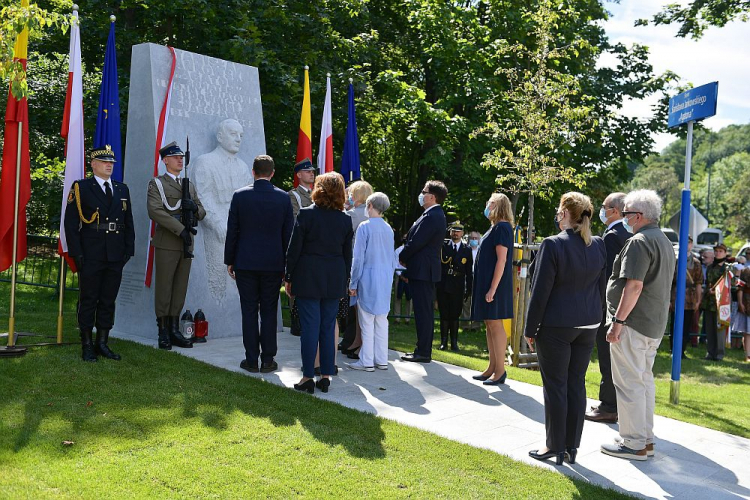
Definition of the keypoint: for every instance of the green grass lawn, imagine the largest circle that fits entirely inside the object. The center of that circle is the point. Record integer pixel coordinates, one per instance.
(714, 395)
(160, 425)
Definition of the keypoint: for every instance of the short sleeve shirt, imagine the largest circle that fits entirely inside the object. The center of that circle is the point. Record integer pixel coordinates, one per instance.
(648, 257)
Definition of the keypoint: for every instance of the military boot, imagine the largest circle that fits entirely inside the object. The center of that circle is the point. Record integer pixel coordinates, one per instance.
(101, 347)
(175, 336)
(454, 335)
(87, 348)
(163, 324)
(443, 335)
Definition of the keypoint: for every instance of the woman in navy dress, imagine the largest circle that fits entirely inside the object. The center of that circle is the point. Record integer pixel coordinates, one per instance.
(493, 285)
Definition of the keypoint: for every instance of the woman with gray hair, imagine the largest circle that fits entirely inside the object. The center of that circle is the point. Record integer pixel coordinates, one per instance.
(371, 280)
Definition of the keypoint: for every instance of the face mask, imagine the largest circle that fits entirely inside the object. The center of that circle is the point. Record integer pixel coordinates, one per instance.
(351, 201)
(487, 212)
(421, 199)
(627, 226)
(473, 243)
(603, 215)
(367, 213)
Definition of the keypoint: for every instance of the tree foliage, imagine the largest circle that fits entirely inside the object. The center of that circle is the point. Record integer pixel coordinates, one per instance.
(423, 72)
(699, 15)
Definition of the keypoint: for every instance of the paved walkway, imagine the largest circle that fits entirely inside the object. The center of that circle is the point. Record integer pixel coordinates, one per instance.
(691, 462)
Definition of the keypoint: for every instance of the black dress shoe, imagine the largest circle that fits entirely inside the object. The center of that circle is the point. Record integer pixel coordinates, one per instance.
(559, 456)
(415, 358)
(499, 381)
(323, 384)
(480, 377)
(570, 454)
(352, 355)
(308, 386)
(247, 365)
(269, 367)
(443, 347)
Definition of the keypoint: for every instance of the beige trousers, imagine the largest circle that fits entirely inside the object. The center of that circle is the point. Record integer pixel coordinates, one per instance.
(632, 373)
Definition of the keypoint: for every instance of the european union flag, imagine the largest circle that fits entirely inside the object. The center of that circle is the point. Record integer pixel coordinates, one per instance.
(350, 158)
(108, 118)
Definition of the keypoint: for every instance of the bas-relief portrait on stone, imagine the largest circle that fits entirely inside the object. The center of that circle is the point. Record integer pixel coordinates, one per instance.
(217, 104)
(217, 175)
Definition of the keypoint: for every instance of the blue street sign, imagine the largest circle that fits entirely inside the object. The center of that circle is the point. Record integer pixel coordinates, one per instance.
(693, 105)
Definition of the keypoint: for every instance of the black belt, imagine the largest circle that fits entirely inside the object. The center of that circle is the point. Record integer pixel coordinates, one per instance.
(107, 227)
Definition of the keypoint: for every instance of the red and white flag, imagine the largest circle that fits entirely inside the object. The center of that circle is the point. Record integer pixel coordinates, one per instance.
(72, 131)
(325, 149)
(161, 133)
(724, 299)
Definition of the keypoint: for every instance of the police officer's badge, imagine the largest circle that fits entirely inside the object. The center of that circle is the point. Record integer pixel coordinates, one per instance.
(463, 261)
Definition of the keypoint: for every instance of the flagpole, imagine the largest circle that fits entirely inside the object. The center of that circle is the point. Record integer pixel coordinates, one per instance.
(60, 303)
(12, 316)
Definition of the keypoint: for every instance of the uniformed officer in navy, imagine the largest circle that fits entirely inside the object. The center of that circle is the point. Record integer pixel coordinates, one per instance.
(456, 262)
(101, 240)
(172, 268)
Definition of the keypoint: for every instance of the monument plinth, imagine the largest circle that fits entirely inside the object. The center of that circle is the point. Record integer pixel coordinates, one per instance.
(217, 104)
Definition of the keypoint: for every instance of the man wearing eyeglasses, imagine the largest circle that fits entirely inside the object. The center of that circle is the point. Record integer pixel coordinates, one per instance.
(638, 295)
(421, 258)
(615, 237)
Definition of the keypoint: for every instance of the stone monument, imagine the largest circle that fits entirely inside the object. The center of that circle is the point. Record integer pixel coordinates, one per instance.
(212, 101)
(217, 175)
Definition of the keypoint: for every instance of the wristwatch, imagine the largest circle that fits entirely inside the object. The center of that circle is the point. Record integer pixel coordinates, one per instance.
(617, 320)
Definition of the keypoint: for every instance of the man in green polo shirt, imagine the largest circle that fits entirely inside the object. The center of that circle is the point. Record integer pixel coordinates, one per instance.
(638, 296)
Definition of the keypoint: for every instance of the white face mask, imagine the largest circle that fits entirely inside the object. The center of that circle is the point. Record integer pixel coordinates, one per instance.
(627, 226)
(421, 199)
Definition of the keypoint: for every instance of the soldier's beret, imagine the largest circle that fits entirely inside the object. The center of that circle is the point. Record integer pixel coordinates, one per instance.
(104, 154)
(171, 149)
(305, 164)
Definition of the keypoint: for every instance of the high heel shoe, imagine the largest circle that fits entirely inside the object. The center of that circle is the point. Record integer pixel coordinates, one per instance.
(308, 386)
(571, 453)
(323, 384)
(499, 381)
(480, 377)
(559, 456)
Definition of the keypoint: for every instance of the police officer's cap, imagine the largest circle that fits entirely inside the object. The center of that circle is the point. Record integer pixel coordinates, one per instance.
(171, 149)
(305, 164)
(456, 226)
(104, 154)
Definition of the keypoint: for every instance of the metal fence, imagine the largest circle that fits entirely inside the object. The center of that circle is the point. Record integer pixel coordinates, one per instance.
(42, 266)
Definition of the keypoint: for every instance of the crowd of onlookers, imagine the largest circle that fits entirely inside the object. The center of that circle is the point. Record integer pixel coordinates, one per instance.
(612, 291)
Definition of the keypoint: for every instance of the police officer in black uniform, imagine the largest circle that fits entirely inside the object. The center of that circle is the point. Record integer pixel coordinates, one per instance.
(457, 263)
(100, 235)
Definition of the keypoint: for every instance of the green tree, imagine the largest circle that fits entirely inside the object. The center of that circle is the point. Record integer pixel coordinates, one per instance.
(699, 15)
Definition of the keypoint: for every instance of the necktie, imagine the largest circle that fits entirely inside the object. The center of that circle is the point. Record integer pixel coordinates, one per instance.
(108, 190)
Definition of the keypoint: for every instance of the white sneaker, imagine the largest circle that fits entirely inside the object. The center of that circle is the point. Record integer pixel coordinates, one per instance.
(381, 367)
(360, 367)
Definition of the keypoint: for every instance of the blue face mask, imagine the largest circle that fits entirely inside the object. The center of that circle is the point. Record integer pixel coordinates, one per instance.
(627, 226)
(421, 199)
(351, 201)
(474, 243)
(487, 212)
(603, 215)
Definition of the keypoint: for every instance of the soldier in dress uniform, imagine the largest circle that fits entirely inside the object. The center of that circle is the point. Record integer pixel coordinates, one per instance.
(165, 205)
(100, 235)
(455, 284)
(301, 197)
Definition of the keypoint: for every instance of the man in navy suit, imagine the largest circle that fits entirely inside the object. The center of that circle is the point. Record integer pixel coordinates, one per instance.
(421, 257)
(615, 237)
(258, 230)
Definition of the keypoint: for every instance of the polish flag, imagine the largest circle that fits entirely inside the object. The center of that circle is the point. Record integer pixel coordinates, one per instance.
(72, 132)
(325, 149)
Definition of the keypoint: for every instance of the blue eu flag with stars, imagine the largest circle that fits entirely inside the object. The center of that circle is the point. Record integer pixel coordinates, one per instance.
(350, 157)
(108, 118)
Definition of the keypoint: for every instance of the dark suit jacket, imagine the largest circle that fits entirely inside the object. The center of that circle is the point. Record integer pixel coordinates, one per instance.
(259, 227)
(614, 240)
(568, 282)
(320, 254)
(421, 252)
(94, 241)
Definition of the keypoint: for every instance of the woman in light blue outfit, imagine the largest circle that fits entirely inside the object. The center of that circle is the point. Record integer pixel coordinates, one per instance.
(371, 280)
